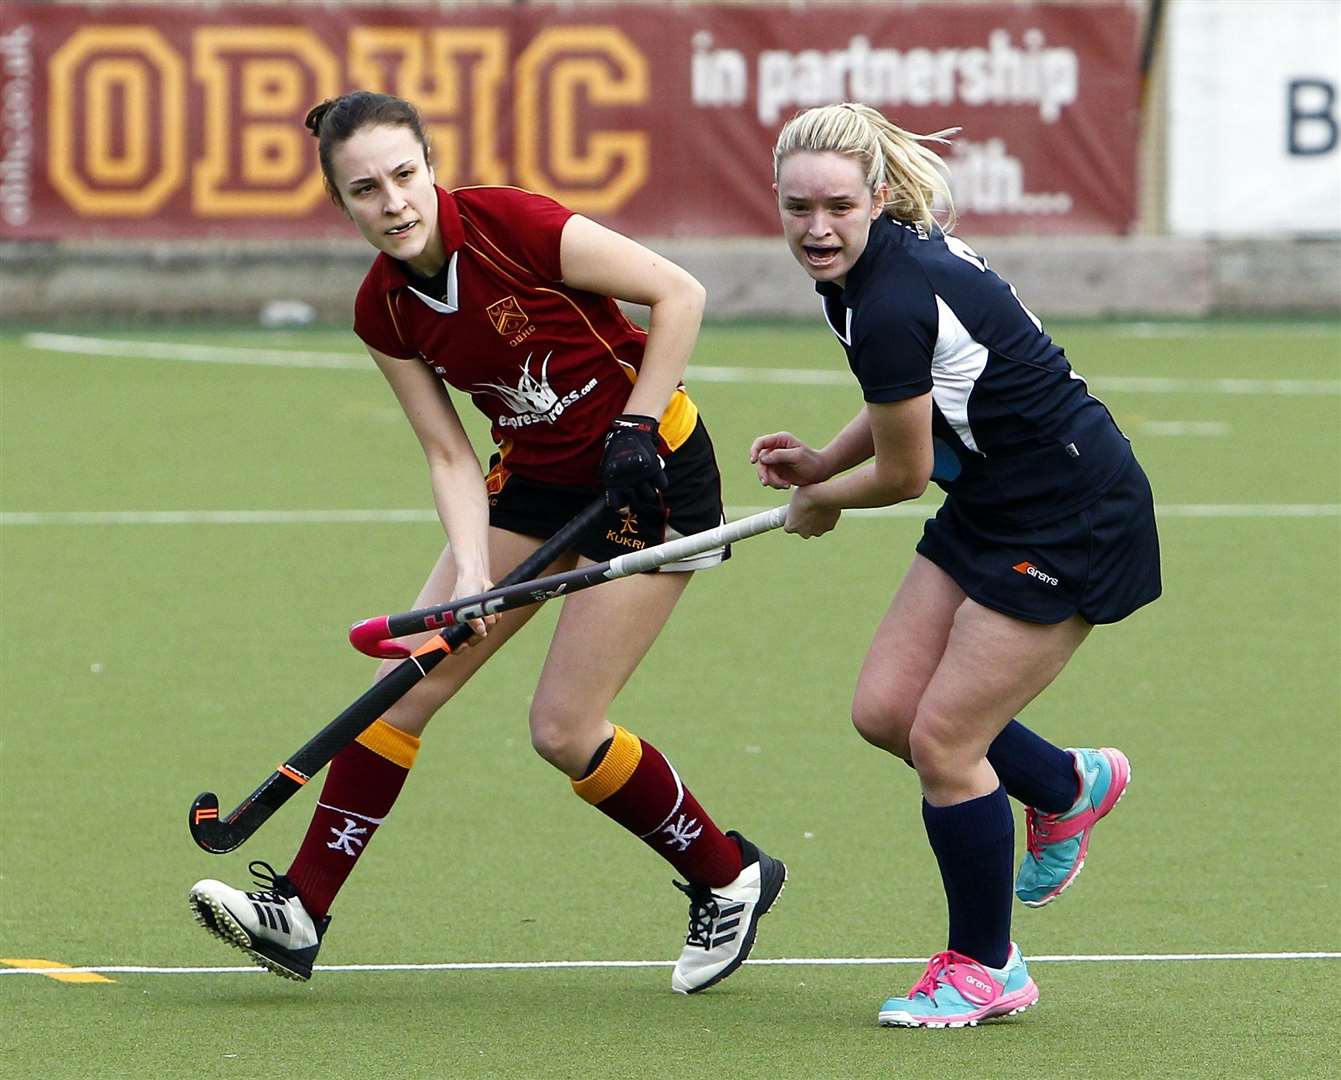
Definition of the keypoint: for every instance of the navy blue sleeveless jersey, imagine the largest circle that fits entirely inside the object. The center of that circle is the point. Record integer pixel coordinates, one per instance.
(1018, 438)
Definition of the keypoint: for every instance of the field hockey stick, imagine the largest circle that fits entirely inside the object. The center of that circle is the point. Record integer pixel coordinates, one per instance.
(220, 835)
(373, 636)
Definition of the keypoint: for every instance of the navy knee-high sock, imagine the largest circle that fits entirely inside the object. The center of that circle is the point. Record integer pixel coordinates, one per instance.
(974, 843)
(1034, 771)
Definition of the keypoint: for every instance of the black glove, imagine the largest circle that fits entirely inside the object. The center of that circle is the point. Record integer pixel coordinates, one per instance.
(631, 468)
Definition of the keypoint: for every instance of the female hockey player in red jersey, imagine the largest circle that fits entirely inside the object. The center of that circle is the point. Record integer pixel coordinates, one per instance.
(507, 297)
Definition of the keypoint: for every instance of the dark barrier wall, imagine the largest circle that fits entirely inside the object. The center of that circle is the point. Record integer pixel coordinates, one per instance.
(163, 122)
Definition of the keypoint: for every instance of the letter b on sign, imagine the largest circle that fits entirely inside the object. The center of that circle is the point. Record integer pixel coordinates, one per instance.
(1312, 122)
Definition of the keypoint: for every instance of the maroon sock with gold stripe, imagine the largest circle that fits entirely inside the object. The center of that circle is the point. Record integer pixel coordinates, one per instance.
(361, 786)
(637, 787)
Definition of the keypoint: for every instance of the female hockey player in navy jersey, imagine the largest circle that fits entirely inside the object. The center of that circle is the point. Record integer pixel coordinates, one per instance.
(1047, 529)
(509, 298)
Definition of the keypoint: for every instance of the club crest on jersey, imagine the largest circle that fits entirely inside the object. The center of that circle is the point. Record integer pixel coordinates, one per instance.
(533, 400)
(498, 476)
(506, 315)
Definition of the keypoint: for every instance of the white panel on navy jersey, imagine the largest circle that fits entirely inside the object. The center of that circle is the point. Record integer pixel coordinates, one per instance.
(922, 313)
(955, 367)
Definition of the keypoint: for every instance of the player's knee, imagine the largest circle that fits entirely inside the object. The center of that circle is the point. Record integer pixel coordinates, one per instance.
(933, 750)
(883, 724)
(556, 748)
(555, 735)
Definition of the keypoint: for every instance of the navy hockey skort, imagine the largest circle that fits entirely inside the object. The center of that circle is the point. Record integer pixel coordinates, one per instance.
(1102, 561)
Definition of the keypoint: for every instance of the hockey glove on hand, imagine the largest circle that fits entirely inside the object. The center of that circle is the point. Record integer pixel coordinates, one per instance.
(632, 470)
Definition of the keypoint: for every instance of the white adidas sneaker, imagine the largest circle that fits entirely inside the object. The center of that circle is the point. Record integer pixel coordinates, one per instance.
(271, 925)
(723, 921)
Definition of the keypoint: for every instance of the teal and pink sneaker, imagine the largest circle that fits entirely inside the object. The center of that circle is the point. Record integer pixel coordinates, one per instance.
(956, 991)
(1056, 843)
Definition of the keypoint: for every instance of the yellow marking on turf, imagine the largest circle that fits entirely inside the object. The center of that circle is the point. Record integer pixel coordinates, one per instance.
(57, 971)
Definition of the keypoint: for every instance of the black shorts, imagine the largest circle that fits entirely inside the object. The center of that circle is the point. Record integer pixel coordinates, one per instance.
(691, 503)
(1102, 561)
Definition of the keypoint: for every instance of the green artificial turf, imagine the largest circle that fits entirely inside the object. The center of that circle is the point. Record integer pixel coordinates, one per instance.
(143, 662)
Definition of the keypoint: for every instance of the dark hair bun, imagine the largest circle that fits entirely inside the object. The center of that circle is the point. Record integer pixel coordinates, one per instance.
(316, 115)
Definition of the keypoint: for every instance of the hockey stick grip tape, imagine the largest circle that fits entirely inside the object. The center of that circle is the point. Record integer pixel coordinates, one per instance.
(637, 562)
(373, 637)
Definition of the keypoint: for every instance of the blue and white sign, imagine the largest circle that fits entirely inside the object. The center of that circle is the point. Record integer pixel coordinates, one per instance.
(1254, 134)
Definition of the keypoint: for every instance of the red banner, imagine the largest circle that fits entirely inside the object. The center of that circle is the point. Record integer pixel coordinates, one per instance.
(167, 122)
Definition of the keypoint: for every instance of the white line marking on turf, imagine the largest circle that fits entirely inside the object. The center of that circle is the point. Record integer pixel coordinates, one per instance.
(543, 965)
(394, 517)
(196, 354)
(218, 517)
(234, 354)
(1107, 384)
(1236, 510)
(1183, 427)
(1219, 329)
(1169, 510)
(1158, 384)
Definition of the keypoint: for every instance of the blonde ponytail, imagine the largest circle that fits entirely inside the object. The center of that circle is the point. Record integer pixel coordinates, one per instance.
(914, 176)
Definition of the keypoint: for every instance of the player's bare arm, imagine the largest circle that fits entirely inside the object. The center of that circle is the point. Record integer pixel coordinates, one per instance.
(454, 470)
(901, 470)
(599, 260)
(781, 460)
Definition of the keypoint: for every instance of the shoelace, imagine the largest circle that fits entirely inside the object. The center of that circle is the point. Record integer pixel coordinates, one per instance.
(265, 878)
(937, 967)
(703, 912)
(938, 970)
(1037, 827)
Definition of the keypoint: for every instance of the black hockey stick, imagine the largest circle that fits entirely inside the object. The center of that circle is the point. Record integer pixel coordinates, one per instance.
(373, 636)
(219, 835)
